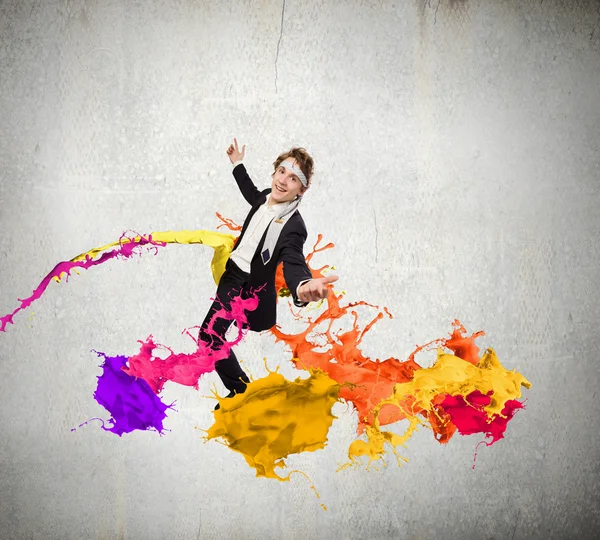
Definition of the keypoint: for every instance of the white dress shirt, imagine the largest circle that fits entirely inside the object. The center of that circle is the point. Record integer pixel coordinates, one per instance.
(242, 256)
(244, 252)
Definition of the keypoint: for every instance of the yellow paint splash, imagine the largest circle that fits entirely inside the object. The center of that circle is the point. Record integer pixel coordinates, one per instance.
(275, 417)
(374, 446)
(450, 375)
(222, 243)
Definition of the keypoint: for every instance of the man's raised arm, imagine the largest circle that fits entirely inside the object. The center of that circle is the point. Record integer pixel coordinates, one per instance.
(244, 182)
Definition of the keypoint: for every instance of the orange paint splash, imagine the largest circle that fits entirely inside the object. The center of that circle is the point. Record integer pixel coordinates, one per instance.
(367, 381)
(229, 223)
(280, 284)
(428, 391)
(380, 390)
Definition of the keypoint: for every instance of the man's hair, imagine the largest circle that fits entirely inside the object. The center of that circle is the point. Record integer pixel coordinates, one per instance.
(305, 162)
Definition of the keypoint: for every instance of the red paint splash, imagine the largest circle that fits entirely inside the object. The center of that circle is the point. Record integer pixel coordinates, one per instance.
(468, 416)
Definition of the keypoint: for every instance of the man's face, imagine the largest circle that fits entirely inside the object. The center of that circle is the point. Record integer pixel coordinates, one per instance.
(286, 185)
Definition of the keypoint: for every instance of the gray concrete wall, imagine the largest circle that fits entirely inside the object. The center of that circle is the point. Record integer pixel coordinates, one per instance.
(457, 157)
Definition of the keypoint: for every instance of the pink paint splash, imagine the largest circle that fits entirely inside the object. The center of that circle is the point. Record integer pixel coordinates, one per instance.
(119, 389)
(127, 248)
(128, 388)
(186, 369)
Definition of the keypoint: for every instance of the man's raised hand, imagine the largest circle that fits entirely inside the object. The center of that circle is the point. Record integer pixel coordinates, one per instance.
(234, 152)
(315, 289)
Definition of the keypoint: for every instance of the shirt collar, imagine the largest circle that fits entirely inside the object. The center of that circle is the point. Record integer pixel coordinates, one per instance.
(276, 206)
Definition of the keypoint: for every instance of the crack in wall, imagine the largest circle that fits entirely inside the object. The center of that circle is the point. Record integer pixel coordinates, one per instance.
(516, 523)
(278, 42)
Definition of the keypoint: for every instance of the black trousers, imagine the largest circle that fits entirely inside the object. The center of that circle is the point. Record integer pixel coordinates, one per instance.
(233, 282)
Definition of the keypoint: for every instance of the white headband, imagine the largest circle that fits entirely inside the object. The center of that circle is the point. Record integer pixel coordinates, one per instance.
(296, 170)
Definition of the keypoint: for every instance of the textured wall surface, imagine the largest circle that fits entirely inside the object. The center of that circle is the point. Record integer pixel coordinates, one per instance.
(457, 154)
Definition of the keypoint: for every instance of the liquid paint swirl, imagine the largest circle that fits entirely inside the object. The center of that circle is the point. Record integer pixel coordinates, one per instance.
(461, 392)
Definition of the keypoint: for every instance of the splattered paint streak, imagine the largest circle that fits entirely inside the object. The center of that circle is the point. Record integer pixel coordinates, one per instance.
(125, 248)
(186, 369)
(275, 418)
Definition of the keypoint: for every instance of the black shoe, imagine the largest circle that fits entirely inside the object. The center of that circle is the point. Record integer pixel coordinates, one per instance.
(231, 394)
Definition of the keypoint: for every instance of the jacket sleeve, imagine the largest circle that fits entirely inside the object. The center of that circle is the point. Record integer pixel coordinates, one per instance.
(295, 269)
(247, 187)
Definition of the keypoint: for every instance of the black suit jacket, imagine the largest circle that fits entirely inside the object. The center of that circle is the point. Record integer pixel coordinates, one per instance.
(289, 249)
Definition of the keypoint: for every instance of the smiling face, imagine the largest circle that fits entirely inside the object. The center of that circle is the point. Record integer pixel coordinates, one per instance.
(286, 185)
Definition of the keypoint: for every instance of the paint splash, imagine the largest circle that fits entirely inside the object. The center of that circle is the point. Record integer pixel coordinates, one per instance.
(184, 368)
(478, 398)
(469, 416)
(125, 248)
(275, 417)
(130, 401)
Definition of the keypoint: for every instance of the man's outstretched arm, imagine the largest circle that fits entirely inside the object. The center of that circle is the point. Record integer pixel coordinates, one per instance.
(298, 277)
(243, 180)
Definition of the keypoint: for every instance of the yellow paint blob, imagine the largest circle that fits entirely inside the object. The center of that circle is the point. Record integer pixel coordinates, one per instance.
(450, 375)
(275, 417)
(221, 242)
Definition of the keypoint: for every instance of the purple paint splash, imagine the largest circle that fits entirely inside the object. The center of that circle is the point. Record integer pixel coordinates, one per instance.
(130, 401)
(128, 387)
(119, 389)
(126, 249)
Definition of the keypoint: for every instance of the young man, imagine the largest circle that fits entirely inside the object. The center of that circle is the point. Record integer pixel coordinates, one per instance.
(273, 231)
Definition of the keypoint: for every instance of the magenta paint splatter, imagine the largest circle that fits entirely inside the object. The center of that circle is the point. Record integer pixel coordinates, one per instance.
(469, 416)
(128, 387)
(130, 401)
(186, 369)
(127, 248)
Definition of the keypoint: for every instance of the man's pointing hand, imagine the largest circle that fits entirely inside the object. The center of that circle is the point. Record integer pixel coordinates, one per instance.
(316, 289)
